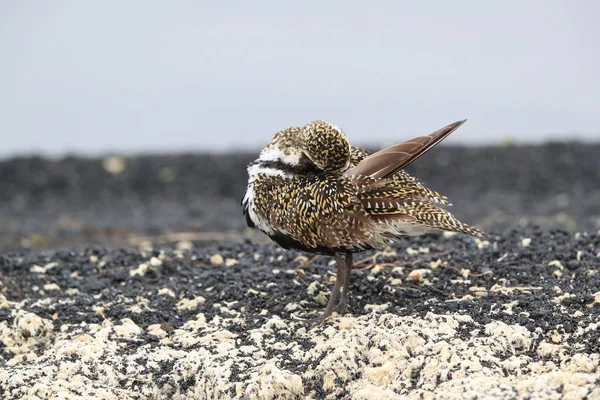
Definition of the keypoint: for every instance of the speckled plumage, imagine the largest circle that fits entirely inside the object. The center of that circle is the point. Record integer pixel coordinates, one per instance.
(303, 191)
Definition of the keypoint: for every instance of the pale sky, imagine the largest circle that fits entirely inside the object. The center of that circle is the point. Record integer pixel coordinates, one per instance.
(149, 76)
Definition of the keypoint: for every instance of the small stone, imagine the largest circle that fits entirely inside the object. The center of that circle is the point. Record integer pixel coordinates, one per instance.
(51, 286)
(418, 274)
(155, 262)
(292, 307)
(190, 304)
(526, 242)
(556, 263)
(572, 264)
(230, 262)
(313, 288)
(558, 273)
(141, 270)
(320, 299)
(166, 292)
(216, 259)
(36, 269)
(377, 307)
(411, 251)
(185, 245)
(481, 244)
(113, 165)
(398, 270)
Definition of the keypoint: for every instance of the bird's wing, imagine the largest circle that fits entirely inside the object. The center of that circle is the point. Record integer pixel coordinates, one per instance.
(387, 162)
(400, 180)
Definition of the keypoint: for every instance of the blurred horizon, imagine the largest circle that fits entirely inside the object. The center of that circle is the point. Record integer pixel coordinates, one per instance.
(149, 77)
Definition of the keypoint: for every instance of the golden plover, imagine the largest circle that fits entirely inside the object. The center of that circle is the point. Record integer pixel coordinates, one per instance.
(311, 190)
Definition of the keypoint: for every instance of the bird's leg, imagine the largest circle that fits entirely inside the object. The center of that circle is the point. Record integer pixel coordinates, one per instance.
(343, 303)
(341, 266)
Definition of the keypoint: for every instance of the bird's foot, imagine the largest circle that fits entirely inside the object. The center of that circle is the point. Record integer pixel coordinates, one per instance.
(341, 307)
(313, 323)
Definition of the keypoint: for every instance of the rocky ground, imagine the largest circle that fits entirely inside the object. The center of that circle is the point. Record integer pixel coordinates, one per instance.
(51, 203)
(134, 278)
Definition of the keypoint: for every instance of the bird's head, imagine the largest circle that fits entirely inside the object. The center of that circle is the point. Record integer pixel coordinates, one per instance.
(319, 143)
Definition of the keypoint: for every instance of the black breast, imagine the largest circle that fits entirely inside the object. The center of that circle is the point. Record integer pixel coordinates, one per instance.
(289, 243)
(247, 214)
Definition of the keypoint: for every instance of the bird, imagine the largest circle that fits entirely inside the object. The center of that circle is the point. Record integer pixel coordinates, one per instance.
(311, 190)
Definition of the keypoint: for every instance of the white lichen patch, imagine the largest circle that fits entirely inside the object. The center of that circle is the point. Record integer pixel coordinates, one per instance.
(272, 383)
(141, 270)
(127, 329)
(190, 304)
(378, 355)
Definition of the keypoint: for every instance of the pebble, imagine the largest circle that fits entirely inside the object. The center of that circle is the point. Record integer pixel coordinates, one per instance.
(166, 292)
(155, 262)
(230, 262)
(113, 165)
(418, 274)
(216, 259)
(51, 286)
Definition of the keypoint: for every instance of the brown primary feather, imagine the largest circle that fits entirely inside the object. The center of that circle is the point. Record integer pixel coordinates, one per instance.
(402, 183)
(401, 197)
(388, 161)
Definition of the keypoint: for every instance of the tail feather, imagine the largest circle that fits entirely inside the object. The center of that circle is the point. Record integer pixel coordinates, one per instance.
(392, 210)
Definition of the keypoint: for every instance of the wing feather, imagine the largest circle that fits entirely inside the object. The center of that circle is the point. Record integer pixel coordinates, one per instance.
(388, 161)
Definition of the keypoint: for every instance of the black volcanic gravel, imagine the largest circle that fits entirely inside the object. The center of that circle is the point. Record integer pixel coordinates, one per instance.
(507, 264)
(75, 200)
(545, 281)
